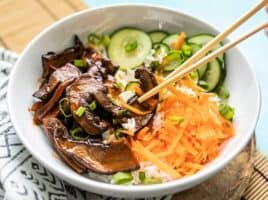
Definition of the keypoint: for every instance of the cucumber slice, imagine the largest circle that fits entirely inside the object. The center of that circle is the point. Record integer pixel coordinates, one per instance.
(201, 70)
(170, 39)
(213, 75)
(173, 60)
(160, 49)
(129, 47)
(202, 39)
(195, 47)
(157, 36)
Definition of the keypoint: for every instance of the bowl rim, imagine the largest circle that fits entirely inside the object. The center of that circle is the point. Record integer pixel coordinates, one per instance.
(84, 182)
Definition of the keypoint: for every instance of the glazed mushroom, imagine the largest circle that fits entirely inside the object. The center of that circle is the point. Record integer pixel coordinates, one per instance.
(60, 75)
(147, 82)
(98, 65)
(84, 155)
(52, 60)
(80, 94)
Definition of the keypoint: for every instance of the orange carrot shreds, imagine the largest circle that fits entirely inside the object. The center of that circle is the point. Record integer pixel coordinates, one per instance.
(133, 109)
(143, 132)
(189, 83)
(155, 160)
(179, 42)
(174, 144)
(127, 132)
(191, 132)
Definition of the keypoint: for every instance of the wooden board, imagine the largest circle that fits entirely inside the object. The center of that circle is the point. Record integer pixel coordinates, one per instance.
(230, 183)
(21, 20)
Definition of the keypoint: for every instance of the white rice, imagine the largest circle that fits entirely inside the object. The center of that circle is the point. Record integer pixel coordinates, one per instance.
(151, 58)
(123, 78)
(130, 125)
(214, 99)
(126, 95)
(158, 120)
(186, 90)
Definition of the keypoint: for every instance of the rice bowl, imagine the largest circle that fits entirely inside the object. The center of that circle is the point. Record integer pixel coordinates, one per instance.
(246, 111)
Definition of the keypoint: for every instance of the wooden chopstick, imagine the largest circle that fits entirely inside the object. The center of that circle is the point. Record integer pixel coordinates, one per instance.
(219, 38)
(201, 62)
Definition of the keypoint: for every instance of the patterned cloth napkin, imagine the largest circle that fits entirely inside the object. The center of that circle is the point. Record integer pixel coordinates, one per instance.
(21, 176)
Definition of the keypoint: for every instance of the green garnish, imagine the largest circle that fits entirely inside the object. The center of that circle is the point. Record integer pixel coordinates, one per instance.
(117, 85)
(122, 177)
(223, 93)
(194, 75)
(152, 181)
(187, 50)
(131, 45)
(146, 180)
(94, 39)
(122, 68)
(92, 106)
(155, 65)
(117, 133)
(76, 134)
(173, 60)
(203, 84)
(106, 40)
(124, 113)
(61, 107)
(80, 111)
(142, 176)
(80, 63)
(226, 111)
(176, 119)
(114, 121)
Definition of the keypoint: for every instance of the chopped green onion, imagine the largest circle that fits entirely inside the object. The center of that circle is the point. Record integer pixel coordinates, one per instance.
(124, 113)
(122, 68)
(80, 111)
(106, 40)
(142, 176)
(75, 133)
(173, 60)
(187, 50)
(176, 119)
(94, 39)
(131, 46)
(223, 93)
(155, 65)
(226, 111)
(146, 180)
(114, 121)
(117, 85)
(122, 178)
(203, 84)
(61, 107)
(117, 133)
(80, 63)
(92, 106)
(194, 75)
(152, 181)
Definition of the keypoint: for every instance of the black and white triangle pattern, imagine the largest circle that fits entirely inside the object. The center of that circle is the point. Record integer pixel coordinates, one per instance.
(21, 176)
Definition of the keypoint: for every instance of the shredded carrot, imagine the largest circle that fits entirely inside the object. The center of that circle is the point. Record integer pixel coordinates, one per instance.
(183, 147)
(143, 132)
(150, 156)
(179, 42)
(127, 132)
(133, 109)
(138, 90)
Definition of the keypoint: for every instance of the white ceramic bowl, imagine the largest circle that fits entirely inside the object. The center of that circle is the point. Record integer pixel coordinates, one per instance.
(241, 81)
